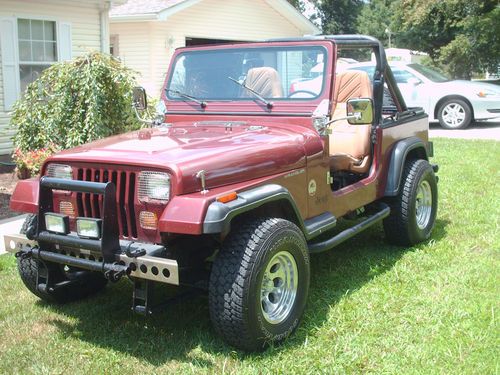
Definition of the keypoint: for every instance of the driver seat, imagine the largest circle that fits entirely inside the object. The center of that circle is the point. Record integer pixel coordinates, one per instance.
(350, 147)
(264, 80)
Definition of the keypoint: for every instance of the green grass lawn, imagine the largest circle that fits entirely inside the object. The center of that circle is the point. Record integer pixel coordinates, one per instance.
(373, 308)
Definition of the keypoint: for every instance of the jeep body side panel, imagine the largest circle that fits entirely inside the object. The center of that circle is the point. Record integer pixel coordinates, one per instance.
(410, 134)
(373, 186)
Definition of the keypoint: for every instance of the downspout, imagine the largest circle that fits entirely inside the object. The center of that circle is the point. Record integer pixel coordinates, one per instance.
(104, 23)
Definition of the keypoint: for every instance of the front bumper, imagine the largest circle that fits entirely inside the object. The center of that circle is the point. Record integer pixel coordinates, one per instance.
(145, 267)
(108, 254)
(486, 108)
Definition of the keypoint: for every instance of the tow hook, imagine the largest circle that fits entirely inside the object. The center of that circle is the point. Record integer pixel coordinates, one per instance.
(24, 254)
(115, 276)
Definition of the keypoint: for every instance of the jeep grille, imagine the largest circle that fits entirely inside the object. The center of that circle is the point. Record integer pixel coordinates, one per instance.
(90, 205)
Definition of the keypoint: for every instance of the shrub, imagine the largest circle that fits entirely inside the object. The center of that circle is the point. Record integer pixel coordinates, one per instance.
(73, 103)
(29, 163)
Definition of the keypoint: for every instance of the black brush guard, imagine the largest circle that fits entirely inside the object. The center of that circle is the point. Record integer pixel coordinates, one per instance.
(108, 245)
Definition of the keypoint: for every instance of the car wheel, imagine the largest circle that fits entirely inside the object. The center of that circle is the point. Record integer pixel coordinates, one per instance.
(259, 283)
(79, 283)
(455, 114)
(414, 209)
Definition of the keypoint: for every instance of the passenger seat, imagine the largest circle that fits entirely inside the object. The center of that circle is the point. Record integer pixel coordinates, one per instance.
(350, 147)
(264, 80)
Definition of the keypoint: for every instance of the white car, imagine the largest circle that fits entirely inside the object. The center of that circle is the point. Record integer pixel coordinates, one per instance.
(452, 103)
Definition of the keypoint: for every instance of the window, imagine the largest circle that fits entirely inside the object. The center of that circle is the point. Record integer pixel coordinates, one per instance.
(433, 75)
(113, 45)
(283, 73)
(37, 43)
(403, 76)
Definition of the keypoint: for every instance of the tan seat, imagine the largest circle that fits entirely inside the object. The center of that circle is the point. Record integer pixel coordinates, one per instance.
(350, 144)
(264, 80)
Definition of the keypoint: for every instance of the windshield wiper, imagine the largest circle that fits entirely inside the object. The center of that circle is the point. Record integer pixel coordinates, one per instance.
(202, 103)
(268, 104)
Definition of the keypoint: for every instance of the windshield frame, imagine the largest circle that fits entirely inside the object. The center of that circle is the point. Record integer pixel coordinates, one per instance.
(248, 48)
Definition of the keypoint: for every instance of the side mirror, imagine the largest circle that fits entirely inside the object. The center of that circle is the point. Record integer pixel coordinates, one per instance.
(414, 81)
(140, 101)
(360, 111)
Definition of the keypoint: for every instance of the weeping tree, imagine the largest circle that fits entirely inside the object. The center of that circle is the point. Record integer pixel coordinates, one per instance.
(73, 103)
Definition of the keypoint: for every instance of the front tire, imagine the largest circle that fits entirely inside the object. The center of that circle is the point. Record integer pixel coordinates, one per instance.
(414, 209)
(455, 114)
(83, 283)
(259, 283)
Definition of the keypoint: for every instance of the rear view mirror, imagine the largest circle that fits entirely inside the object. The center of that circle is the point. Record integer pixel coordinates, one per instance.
(140, 101)
(360, 111)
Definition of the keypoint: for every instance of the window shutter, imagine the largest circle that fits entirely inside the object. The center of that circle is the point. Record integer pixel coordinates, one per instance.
(64, 41)
(10, 69)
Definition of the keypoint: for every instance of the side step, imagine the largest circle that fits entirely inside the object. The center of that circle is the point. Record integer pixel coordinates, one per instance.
(320, 247)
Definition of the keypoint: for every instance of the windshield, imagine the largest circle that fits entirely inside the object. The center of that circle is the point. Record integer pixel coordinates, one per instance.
(232, 74)
(429, 73)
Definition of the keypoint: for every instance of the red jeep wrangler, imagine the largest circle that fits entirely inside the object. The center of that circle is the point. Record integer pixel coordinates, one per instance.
(261, 149)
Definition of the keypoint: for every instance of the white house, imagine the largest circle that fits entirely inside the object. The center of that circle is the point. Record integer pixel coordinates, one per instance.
(37, 33)
(145, 33)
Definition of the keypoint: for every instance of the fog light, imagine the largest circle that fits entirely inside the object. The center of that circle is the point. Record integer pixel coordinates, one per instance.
(88, 227)
(148, 220)
(66, 208)
(57, 223)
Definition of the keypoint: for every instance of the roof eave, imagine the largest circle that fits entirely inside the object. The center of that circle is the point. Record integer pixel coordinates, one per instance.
(133, 17)
(292, 14)
(166, 13)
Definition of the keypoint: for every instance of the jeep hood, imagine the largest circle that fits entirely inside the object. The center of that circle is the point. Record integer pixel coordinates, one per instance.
(229, 152)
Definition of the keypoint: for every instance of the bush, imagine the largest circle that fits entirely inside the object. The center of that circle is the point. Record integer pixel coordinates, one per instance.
(73, 103)
(29, 163)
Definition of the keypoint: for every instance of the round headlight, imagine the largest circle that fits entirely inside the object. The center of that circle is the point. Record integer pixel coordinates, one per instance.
(154, 186)
(60, 171)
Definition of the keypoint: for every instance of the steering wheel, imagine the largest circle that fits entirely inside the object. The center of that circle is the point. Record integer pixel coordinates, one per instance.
(313, 94)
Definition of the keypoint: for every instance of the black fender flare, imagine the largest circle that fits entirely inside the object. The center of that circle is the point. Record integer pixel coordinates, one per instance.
(399, 155)
(219, 215)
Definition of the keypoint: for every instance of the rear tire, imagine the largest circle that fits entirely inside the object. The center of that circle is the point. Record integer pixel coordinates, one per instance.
(259, 283)
(455, 114)
(414, 209)
(86, 282)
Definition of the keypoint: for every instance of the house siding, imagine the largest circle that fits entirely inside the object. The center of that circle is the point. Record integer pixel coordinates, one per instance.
(135, 49)
(247, 20)
(85, 30)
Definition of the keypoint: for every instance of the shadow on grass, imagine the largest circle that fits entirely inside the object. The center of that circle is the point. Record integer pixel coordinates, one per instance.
(171, 334)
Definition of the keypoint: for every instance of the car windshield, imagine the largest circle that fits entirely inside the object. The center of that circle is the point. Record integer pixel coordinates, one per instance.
(270, 72)
(429, 73)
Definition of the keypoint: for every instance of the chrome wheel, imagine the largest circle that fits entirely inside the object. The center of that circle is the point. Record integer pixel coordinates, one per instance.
(423, 204)
(279, 287)
(453, 115)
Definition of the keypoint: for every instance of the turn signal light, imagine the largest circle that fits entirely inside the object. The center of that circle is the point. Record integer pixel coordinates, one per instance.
(148, 220)
(66, 208)
(227, 197)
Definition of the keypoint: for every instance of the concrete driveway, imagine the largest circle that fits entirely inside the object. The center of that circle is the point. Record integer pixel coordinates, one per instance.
(480, 130)
(8, 226)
